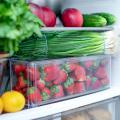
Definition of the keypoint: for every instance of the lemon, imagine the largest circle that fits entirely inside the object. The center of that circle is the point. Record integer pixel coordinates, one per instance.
(13, 101)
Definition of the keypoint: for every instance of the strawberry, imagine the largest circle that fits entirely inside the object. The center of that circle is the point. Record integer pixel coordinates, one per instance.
(80, 73)
(69, 86)
(45, 93)
(88, 64)
(88, 82)
(62, 76)
(105, 81)
(57, 91)
(32, 74)
(70, 67)
(101, 73)
(50, 72)
(78, 87)
(21, 82)
(40, 84)
(18, 68)
(33, 95)
(96, 84)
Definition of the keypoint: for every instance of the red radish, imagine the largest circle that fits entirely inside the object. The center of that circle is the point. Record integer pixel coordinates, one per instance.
(105, 81)
(72, 17)
(88, 82)
(45, 14)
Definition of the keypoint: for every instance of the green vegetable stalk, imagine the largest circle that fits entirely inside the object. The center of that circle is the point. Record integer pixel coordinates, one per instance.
(16, 24)
(58, 44)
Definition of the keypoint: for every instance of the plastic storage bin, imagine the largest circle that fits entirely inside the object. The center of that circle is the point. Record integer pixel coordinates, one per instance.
(4, 75)
(49, 81)
(105, 110)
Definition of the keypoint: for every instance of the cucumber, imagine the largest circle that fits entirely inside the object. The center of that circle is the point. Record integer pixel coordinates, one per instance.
(94, 21)
(111, 19)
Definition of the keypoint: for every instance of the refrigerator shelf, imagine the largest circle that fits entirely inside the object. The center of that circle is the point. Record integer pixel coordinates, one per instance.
(63, 106)
(101, 29)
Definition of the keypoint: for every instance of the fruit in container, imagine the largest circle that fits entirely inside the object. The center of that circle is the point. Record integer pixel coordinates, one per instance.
(45, 14)
(72, 17)
(101, 72)
(94, 21)
(1, 106)
(13, 101)
(96, 84)
(80, 73)
(45, 93)
(57, 91)
(18, 69)
(62, 76)
(51, 72)
(21, 82)
(69, 86)
(111, 19)
(78, 87)
(33, 95)
(40, 84)
(31, 73)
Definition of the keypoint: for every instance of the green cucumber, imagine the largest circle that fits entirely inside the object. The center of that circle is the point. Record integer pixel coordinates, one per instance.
(111, 19)
(94, 21)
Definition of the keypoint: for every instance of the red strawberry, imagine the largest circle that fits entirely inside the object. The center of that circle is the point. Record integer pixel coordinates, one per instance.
(18, 68)
(80, 73)
(33, 95)
(69, 86)
(40, 84)
(96, 84)
(32, 74)
(105, 81)
(57, 91)
(88, 64)
(88, 82)
(78, 87)
(21, 83)
(70, 67)
(101, 73)
(62, 76)
(50, 72)
(45, 93)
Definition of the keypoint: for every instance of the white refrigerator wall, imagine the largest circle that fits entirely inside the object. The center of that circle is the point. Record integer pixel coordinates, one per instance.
(110, 6)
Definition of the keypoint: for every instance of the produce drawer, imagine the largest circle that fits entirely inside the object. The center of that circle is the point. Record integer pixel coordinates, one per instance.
(48, 81)
(4, 74)
(105, 110)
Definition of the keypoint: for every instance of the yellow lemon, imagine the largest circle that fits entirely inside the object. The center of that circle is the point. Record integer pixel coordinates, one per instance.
(13, 101)
(1, 106)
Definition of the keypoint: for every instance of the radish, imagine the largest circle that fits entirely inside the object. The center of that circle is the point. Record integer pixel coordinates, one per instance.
(72, 17)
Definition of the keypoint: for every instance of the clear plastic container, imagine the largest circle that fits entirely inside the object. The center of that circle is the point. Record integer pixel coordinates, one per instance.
(48, 81)
(4, 75)
(105, 110)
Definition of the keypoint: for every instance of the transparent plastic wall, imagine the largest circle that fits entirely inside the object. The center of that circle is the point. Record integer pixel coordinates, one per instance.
(50, 81)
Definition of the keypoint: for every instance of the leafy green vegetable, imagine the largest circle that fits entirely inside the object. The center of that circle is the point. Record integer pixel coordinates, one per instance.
(16, 23)
(60, 44)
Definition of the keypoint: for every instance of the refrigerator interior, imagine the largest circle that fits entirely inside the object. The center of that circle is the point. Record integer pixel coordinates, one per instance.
(111, 105)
